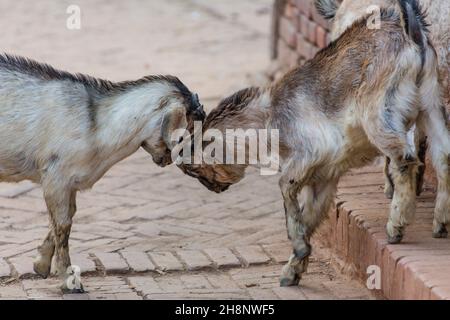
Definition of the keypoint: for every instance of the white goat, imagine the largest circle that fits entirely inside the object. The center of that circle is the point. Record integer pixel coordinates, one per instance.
(65, 131)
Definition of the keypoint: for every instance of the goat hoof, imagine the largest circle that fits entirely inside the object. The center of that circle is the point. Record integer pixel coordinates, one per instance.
(289, 282)
(289, 277)
(389, 192)
(41, 268)
(442, 232)
(394, 234)
(395, 239)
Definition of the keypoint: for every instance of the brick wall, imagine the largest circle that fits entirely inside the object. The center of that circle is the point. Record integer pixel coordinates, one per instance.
(298, 32)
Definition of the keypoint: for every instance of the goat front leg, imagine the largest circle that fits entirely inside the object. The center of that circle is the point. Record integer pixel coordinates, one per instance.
(46, 251)
(298, 262)
(403, 206)
(61, 205)
(316, 201)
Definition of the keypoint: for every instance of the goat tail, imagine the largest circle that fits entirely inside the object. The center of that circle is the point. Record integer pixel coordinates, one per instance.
(414, 21)
(327, 8)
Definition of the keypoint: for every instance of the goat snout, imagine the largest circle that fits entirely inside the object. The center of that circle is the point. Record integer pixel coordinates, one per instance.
(215, 187)
(163, 161)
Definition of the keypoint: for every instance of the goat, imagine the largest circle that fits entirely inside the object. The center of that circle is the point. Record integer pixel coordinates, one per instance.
(354, 101)
(346, 13)
(65, 131)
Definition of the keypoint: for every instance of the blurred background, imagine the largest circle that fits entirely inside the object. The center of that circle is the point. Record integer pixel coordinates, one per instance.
(212, 45)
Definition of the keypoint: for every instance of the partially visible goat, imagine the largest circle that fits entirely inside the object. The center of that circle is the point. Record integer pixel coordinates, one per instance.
(354, 101)
(438, 11)
(65, 131)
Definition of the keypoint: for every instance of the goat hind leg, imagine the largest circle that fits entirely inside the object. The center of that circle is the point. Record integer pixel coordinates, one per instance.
(433, 121)
(442, 208)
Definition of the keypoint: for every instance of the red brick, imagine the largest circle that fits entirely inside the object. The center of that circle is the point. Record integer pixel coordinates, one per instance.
(4, 269)
(13, 292)
(287, 55)
(223, 257)
(304, 48)
(279, 252)
(112, 262)
(138, 261)
(288, 32)
(311, 31)
(166, 261)
(289, 293)
(321, 37)
(194, 259)
(290, 11)
(303, 25)
(82, 260)
(253, 255)
(305, 7)
(23, 266)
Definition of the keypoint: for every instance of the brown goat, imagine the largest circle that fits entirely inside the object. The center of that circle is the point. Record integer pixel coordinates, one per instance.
(345, 13)
(354, 101)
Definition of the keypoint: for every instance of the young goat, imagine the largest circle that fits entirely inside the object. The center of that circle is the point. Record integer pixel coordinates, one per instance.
(346, 13)
(65, 131)
(354, 101)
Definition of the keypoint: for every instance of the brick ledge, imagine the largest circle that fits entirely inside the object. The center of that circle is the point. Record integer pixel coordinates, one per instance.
(419, 268)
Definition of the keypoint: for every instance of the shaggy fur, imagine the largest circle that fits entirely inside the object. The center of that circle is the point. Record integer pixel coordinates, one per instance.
(65, 131)
(438, 11)
(356, 100)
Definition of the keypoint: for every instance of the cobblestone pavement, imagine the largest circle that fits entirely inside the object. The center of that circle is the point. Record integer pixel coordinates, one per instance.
(143, 231)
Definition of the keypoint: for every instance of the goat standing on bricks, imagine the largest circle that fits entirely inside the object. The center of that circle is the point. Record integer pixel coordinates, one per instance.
(354, 101)
(346, 13)
(65, 131)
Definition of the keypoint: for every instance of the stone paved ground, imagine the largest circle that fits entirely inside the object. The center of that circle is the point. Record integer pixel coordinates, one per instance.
(146, 232)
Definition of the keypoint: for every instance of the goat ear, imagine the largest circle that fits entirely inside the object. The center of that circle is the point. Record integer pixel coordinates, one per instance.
(173, 120)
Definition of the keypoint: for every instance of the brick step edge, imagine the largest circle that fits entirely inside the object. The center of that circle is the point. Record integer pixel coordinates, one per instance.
(356, 245)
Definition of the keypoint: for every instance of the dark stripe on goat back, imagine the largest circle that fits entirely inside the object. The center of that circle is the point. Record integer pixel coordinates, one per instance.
(46, 72)
(92, 112)
(231, 106)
